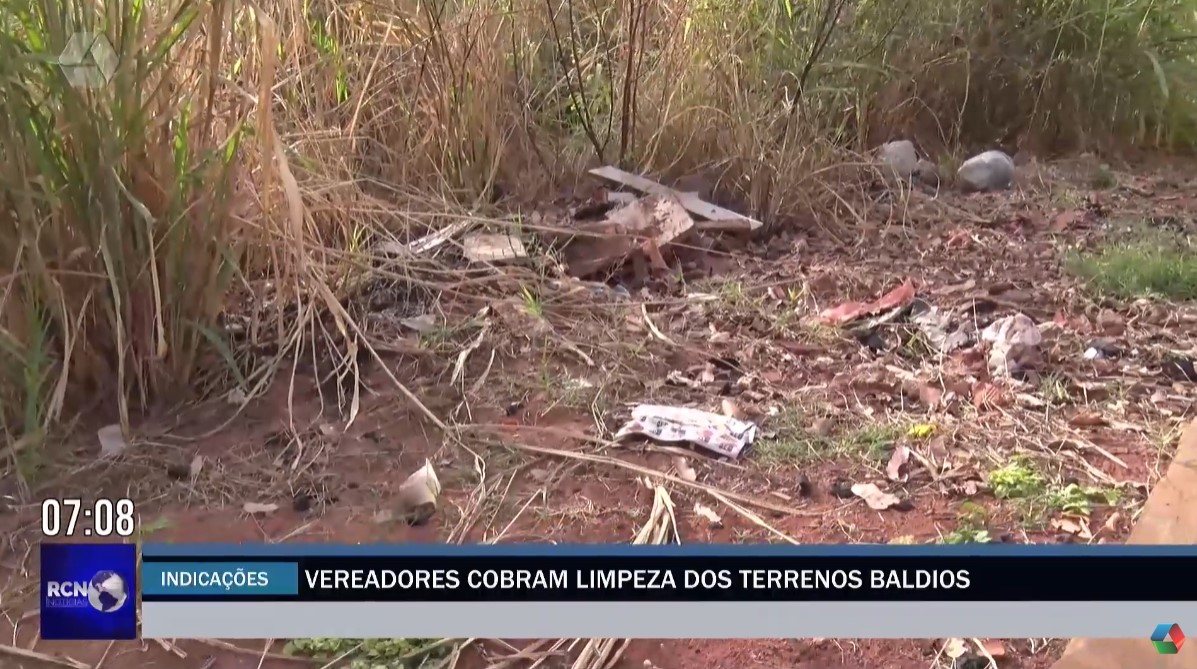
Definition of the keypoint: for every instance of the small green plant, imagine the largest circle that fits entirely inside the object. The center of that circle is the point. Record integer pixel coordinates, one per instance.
(1103, 178)
(532, 303)
(966, 537)
(1076, 500)
(1146, 263)
(797, 445)
(371, 653)
(971, 526)
(1054, 389)
(1017, 480)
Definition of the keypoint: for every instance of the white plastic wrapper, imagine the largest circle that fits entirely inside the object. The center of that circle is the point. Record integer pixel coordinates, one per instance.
(715, 432)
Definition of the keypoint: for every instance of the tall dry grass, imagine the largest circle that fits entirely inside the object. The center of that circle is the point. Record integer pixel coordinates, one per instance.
(239, 143)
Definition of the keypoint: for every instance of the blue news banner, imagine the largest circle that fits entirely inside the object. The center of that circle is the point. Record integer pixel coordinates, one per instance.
(91, 591)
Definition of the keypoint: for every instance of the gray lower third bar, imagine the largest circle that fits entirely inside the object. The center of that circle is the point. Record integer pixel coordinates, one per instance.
(659, 620)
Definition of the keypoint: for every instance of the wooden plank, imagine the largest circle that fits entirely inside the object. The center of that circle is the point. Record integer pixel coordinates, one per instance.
(726, 218)
(1169, 517)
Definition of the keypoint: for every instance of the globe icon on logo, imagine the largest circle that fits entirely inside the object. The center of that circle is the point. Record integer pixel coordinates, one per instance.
(106, 592)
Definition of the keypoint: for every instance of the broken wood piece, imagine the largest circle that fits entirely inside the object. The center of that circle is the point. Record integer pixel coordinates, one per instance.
(690, 201)
(424, 244)
(646, 225)
(492, 247)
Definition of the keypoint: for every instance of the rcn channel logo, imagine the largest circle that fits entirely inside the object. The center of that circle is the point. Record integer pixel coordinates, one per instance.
(89, 592)
(1167, 638)
(105, 592)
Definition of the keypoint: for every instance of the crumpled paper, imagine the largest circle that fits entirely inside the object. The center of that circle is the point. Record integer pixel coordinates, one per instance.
(717, 433)
(1014, 343)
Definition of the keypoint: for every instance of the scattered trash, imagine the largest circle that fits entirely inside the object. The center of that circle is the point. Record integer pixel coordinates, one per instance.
(899, 297)
(732, 408)
(900, 157)
(706, 512)
(491, 248)
(426, 243)
(677, 377)
(717, 218)
(1102, 349)
(257, 508)
(112, 440)
(684, 470)
(842, 488)
(1014, 345)
(418, 495)
(989, 171)
(921, 431)
(955, 648)
(896, 468)
(646, 225)
(422, 324)
(875, 497)
(938, 328)
(721, 434)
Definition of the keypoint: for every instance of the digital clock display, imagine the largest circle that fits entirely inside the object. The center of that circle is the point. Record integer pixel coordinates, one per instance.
(107, 517)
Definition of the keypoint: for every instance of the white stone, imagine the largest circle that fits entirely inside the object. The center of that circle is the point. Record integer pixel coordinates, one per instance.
(901, 157)
(992, 170)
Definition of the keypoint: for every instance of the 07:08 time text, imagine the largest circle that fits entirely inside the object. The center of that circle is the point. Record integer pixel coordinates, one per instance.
(109, 517)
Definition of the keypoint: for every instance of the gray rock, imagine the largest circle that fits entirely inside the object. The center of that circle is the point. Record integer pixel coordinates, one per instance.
(928, 173)
(900, 157)
(992, 170)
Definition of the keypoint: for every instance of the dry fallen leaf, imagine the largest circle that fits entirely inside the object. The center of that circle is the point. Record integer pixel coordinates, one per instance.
(987, 395)
(1087, 419)
(1111, 524)
(874, 496)
(1065, 220)
(197, 465)
(1079, 528)
(849, 311)
(994, 647)
(706, 512)
(823, 426)
(254, 508)
(895, 470)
